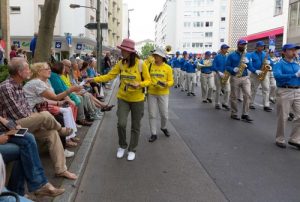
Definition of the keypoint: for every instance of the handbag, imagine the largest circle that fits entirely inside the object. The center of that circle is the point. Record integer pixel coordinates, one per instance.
(44, 106)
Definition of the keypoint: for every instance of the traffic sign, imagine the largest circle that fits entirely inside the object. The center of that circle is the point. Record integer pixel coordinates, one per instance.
(57, 44)
(93, 25)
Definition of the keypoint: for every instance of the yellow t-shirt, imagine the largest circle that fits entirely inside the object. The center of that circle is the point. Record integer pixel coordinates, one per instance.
(128, 75)
(66, 80)
(162, 73)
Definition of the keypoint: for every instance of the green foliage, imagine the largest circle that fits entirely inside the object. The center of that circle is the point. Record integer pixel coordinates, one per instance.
(3, 72)
(146, 50)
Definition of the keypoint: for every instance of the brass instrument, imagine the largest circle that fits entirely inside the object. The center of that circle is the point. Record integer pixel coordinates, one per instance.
(168, 49)
(242, 66)
(206, 63)
(265, 68)
(225, 78)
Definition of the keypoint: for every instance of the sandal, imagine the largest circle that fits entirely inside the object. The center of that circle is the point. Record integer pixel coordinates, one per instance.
(64, 132)
(68, 175)
(75, 139)
(70, 143)
(107, 108)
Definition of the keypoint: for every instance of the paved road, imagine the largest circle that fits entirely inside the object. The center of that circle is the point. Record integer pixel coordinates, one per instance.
(208, 158)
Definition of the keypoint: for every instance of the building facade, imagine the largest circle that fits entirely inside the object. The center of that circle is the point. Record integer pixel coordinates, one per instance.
(293, 33)
(238, 20)
(267, 22)
(115, 22)
(192, 25)
(69, 24)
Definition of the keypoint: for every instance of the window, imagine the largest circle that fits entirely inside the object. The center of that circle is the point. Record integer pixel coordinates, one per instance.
(294, 14)
(208, 24)
(15, 9)
(208, 45)
(198, 24)
(278, 7)
(197, 45)
(187, 24)
(222, 40)
(223, 19)
(208, 34)
(92, 19)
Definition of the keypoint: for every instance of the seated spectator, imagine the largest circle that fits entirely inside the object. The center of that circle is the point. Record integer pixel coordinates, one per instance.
(13, 52)
(28, 165)
(59, 86)
(93, 103)
(38, 90)
(45, 128)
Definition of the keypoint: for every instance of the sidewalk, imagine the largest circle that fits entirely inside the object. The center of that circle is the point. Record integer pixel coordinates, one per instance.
(77, 163)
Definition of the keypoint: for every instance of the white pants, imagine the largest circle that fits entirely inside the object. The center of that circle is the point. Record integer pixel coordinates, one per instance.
(288, 100)
(219, 87)
(265, 84)
(161, 103)
(191, 82)
(272, 86)
(69, 120)
(176, 72)
(198, 73)
(183, 80)
(207, 85)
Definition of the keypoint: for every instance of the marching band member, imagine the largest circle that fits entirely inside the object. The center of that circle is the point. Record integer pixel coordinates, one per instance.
(182, 61)
(237, 64)
(207, 78)
(158, 92)
(259, 59)
(287, 75)
(176, 69)
(190, 68)
(272, 79)
(219, 68)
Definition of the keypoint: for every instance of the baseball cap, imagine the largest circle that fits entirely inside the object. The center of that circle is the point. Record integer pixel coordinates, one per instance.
(289, 46)
(224, 46)
(260, 44)
(207, 53)
(184, 52)
(177, 52)
(242, 42)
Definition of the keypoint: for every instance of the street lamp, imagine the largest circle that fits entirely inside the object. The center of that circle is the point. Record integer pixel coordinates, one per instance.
(129, 20)
(99, 32)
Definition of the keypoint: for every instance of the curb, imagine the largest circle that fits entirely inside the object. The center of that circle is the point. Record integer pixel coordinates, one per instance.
(79, 163)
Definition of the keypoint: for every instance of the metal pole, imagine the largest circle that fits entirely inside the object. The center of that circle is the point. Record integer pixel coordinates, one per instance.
(99, 38)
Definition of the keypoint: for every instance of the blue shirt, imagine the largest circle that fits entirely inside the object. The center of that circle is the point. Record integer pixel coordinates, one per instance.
(190, 67)
(258, 59)
(182, 62)
(219, 63)
(91, 72)
(233, 60)
(175, 63)
(285, 73)
(206, 70)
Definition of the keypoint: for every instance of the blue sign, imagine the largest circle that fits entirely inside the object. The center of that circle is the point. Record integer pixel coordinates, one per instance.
(79, 46)
(17, 43)
(272, 42)
(57, 44)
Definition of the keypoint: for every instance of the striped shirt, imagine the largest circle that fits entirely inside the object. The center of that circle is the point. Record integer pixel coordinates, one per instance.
(13, 103)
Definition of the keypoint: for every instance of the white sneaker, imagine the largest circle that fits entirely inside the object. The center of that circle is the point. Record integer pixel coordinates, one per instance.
(120, 153)
(131, 156)
(68, 153)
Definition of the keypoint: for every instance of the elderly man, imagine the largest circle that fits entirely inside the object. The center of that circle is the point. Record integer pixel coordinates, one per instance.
(287, 75)
(43, 125)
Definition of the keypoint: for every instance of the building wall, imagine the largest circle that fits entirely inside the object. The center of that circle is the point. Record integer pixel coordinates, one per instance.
(5, 27)
(238, 19)
(115, 22)
(293, 33)
(183, 25)
(125, 22)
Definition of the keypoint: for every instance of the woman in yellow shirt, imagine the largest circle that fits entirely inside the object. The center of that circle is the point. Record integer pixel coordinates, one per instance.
(158, 92)
(134, 77)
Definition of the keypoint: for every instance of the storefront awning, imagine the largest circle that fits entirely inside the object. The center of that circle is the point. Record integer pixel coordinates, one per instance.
(260, 35)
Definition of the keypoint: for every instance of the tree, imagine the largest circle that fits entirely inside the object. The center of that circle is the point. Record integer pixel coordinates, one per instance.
(46, 29)
(146, 50)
